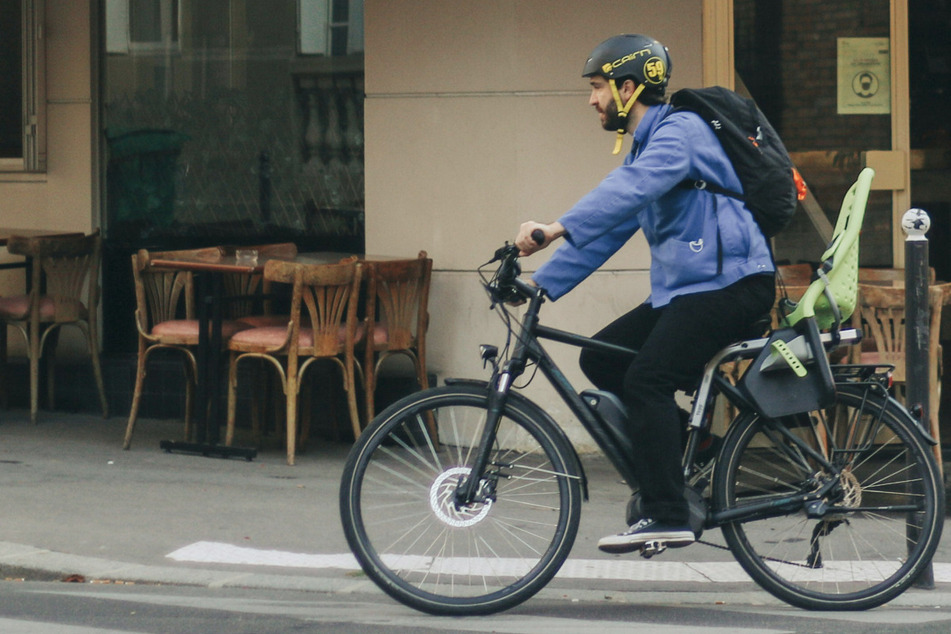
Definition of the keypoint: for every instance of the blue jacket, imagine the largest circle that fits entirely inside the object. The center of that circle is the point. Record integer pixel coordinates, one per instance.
(699, 241)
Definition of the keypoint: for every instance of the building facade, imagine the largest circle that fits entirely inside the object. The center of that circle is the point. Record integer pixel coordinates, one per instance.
(394, 127)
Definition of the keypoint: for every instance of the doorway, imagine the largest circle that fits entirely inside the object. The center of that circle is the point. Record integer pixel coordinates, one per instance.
(929, 57)
(799, 60)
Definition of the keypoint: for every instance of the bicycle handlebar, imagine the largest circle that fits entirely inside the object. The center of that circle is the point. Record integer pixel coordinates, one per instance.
(505, 285)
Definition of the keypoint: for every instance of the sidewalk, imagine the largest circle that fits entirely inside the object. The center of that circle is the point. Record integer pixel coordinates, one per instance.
(76, 504)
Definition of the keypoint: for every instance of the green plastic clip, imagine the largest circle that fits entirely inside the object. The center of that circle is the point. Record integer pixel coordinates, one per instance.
(780, 348)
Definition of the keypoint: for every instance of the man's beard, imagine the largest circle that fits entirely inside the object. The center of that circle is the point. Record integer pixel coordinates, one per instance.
(612, 121)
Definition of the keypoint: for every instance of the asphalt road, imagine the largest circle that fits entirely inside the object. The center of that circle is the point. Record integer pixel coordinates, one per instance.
(63, 608)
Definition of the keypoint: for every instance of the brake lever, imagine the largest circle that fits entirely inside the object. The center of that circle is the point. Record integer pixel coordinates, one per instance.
(501, 252)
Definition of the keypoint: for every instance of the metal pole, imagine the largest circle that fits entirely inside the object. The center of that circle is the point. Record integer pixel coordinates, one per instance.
(916, 223)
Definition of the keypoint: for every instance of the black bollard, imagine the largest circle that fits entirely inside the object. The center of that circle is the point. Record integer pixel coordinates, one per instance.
(916, 223)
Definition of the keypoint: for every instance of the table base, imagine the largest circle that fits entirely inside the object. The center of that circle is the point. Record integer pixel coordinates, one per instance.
(206, 449)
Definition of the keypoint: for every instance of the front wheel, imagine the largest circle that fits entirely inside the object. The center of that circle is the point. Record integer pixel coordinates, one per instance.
(879, 518)
(401, 519)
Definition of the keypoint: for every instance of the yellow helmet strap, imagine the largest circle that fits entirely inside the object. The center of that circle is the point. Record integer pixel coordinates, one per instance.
(622, 110)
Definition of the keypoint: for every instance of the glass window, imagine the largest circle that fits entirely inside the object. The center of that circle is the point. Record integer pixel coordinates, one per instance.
(142, 25)
(238, 136)
(235, 137)
(153, 21)
(11, 80)
(330, 27)
(22, 97)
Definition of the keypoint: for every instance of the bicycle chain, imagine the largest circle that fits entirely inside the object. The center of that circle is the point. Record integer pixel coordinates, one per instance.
(777, 560)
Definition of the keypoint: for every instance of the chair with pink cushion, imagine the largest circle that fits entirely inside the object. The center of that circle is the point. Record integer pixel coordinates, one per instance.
(64, 290)
(322, 325)
(397, 319)
(165, 320)
(253, 305)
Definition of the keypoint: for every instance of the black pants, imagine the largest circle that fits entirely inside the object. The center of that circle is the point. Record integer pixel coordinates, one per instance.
(674, 343)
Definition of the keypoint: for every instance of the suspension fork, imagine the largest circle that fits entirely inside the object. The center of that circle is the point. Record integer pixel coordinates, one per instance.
(501, 383)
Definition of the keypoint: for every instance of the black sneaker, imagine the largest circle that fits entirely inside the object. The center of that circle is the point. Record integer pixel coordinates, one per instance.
(647, 530)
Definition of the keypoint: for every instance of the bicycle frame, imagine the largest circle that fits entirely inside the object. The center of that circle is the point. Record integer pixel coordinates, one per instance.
(529, 349)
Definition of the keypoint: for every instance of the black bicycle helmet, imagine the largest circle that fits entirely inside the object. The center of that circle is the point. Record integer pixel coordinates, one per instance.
(639, 57)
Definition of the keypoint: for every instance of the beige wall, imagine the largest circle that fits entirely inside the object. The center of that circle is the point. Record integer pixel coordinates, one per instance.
(476, 120)
(61, 198)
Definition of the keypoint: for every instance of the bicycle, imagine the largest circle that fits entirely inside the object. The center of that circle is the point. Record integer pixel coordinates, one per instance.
(837, 507)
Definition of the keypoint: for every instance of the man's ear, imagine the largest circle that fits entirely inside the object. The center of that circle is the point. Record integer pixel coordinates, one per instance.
(627, 88)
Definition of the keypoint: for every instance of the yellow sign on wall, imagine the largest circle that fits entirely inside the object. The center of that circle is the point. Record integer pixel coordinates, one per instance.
(864, 72)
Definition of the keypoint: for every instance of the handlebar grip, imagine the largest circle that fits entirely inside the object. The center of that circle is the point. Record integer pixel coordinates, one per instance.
(538, 236)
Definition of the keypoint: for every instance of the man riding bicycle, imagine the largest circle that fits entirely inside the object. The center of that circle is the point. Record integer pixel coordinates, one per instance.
(711, 274)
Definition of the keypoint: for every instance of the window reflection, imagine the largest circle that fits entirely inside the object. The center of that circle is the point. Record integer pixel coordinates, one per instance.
(234, 120)
(153, 22)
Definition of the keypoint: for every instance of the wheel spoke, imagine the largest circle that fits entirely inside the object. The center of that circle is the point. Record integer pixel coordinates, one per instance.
(852, 549)
(412, 537)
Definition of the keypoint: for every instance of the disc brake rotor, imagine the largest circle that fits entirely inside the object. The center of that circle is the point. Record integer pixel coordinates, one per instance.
(442, 496)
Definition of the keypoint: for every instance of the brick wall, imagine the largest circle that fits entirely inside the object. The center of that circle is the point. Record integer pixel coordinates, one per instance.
(786, 54)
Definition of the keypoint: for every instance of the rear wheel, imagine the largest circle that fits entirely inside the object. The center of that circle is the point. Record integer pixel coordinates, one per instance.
(868, 538)
(397, 503)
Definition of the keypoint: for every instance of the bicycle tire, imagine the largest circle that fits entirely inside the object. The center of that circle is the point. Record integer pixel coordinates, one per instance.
(396, 504)
(848, 556)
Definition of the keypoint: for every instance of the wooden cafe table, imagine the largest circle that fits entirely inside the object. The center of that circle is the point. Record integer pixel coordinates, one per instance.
(8, 232)
(211, 265)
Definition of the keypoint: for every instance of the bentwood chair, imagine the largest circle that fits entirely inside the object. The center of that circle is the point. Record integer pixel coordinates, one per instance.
(888, 277)
(252, 305)
(165, 319)
(794, 274)
(397, 319)
(63, 290)
(323, 325)
(882, 316)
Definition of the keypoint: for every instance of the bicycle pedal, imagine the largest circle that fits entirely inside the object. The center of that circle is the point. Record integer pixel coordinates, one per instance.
(649, 549)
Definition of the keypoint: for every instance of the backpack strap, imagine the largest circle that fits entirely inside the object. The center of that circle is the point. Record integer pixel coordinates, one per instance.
(703, 185)
(713, 188)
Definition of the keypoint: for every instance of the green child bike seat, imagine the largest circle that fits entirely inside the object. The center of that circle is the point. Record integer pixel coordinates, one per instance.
(832, 297)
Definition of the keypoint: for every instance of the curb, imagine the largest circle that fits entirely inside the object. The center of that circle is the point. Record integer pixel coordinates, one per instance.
(47, 565)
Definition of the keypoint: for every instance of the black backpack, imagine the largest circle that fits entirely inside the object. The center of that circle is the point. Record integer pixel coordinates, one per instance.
(771, 184)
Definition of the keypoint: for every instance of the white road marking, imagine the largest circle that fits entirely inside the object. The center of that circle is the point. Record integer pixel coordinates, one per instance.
(619, 569)
(218, 553)
(14, 626)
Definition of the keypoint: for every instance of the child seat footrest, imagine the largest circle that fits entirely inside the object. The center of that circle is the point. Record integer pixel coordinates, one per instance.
(791, 375)
(784, 352)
